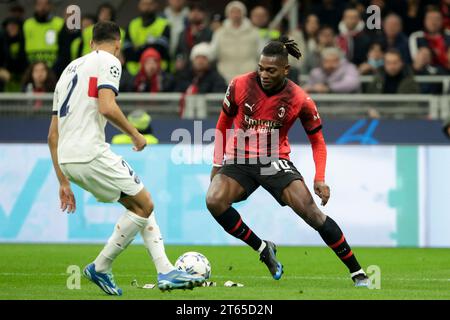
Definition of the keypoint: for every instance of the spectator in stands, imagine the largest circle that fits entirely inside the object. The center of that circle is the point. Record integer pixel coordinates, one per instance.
(202, 76)
(16, 10)
(13, 56)
(352, 39)
(412, 15)
(41, 33)
(151, 77)
(126, 79)
(237, 43)
(310, 33)
(177, 14)
(394, 77)
(422, 66)
(197, 31)
(336, 74)
(326, 39)
(105, 12)
(38, 78)
(78, 45)
(375, 60)
(393, 37)
(67, 49)
(4, 78)
(434, 37)
(329, 12)
(147, 30)
(216, 22)
(260, 18)
(141, 120)
(445, 9)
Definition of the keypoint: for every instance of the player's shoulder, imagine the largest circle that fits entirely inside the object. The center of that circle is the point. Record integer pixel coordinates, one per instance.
(244, 78)
(105, 57)
(297, 91)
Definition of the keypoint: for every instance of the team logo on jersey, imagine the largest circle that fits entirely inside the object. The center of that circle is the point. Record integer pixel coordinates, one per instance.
(281, 112)
(250, 107)
(115, 72)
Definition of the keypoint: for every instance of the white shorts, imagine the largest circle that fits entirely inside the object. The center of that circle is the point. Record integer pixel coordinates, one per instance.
(108, 177)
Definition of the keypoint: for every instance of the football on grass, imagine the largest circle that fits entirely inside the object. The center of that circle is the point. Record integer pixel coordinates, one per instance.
(194, 263)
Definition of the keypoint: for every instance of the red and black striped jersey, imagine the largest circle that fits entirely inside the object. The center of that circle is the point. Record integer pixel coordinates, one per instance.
(262, 120)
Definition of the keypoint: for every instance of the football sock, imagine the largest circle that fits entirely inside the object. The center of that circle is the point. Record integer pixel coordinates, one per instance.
(262, 246)
(232, 223)
(124, 232)
(334, 238)
(155, 245)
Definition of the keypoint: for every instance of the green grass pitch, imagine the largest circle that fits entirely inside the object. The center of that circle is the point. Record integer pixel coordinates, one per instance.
(38, 271)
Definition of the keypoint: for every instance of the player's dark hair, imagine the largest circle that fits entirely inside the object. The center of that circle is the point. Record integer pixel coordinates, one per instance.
(282, 47)
(106, 31)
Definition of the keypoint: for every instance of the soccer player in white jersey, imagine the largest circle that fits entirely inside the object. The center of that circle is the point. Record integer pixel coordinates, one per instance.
(84, 101)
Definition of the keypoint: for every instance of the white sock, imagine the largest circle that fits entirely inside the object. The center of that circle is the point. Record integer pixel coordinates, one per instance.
(360, 271)
(155, 245)
(262, 247)
(124, 232)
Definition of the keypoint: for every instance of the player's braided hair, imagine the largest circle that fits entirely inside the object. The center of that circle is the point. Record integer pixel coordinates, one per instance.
(282, 47)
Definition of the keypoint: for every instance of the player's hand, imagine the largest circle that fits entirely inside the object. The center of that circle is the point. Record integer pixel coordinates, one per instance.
(67, 198)
(139, 142)
(214, 171)
(323, 191)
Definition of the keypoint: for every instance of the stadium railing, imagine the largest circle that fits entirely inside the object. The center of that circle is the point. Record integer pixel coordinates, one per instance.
(167, 105)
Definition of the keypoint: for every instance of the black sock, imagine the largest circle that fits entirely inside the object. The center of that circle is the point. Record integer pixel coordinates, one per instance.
(232, 222)
(334, 238)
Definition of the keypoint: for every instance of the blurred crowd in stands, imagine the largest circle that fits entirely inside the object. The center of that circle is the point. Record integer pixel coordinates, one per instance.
(180, 46)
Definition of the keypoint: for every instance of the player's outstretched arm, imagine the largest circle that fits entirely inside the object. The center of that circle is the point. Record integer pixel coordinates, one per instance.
(320, 159)
(65, 192)
(223, 124)
(110, 110)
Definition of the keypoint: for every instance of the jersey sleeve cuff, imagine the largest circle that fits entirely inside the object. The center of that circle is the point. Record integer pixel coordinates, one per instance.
(313, 131)
(108, 86)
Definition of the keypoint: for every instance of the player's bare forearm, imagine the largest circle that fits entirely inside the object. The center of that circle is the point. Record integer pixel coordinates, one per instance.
(111, 111)
(66, 195)
(53, 146)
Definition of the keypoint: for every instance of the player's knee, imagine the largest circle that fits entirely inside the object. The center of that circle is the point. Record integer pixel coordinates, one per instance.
(314, 216)
(216, 202)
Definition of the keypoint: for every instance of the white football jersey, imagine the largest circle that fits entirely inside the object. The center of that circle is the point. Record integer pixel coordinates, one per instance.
(81, 127)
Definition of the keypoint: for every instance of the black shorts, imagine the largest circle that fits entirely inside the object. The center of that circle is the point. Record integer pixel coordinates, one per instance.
(273, 177)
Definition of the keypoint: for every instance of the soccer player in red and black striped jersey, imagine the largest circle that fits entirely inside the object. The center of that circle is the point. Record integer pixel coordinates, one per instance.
(263, 106)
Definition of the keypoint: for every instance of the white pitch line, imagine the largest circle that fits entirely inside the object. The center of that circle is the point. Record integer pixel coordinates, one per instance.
(20, 274)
